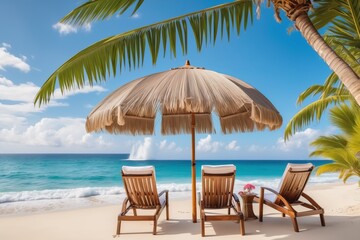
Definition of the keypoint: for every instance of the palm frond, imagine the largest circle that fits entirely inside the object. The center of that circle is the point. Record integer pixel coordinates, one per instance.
(330, 167)
(350, 54)
(103, 58)
(324, 90)
(311, 112)
(347, 176)
(343, 117)
(341, 148)
(94, 10)
(329, 142)
(354, 138)
(342, 19)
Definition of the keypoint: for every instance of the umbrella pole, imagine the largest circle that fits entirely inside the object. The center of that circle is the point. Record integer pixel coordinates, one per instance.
(193, 168)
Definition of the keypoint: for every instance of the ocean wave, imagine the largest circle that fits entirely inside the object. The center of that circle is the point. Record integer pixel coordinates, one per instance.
(58, 194)
(9, 197)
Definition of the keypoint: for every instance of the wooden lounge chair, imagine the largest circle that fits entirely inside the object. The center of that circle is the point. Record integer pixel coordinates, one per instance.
(140, 187)
(217, 193)
(289, 191)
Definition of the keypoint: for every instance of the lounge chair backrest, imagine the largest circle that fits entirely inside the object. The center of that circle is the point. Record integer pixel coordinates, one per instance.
(294, 181)
(217, 185)
(140, 186)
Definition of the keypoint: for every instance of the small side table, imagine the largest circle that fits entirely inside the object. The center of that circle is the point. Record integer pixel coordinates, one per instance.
(247, 207)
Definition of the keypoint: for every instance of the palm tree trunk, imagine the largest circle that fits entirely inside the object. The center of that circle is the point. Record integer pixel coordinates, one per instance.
(345, 73)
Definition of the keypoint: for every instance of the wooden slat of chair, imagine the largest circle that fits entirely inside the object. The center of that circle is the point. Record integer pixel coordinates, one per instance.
(217, 193)
(142, 194)
(290, 191)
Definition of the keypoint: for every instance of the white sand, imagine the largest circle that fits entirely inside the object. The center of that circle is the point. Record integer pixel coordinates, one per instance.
(341, 204)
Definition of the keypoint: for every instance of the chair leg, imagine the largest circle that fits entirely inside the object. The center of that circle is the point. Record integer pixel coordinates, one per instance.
(242, 227)
(261, 207)
(118, 227)
(202, 227)
(229, 211)
(283, 214)
(261, 204)
(322, 220)
(167, 206)
(295, 224)
(134, 210)
(154, 228)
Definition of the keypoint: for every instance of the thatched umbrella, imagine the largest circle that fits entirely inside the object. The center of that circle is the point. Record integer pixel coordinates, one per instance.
(185, 96)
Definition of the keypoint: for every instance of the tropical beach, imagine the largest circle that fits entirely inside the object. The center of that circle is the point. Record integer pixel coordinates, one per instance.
(341, 202)
(88, 208)
(165, 119)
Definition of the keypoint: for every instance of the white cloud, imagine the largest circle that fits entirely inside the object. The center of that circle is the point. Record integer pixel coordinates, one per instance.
(23, 95)
(300, 140)
(9, 120)
(86, 89)
(178, 149)
(9, 60)
(164, 145)
(5, 82)
(53, 132)
(6, 45)
(232, 146)
(256, 148)
(135, 15)
(207, 145)
(65, 29)
(87, 27)
(142, 150)
(24, 92)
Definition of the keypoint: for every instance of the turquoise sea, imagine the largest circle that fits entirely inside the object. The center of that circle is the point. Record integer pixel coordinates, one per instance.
(42, 178)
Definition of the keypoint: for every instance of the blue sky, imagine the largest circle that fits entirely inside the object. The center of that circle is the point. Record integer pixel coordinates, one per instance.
(33, 45)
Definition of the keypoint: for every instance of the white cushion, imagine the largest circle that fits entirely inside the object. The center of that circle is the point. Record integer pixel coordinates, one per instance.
(218, 169)
(129, 170)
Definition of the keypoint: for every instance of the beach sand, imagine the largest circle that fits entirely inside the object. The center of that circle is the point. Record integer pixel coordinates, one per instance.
(342, 215)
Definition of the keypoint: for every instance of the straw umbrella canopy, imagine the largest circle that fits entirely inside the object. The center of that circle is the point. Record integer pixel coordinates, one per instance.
(186, 97)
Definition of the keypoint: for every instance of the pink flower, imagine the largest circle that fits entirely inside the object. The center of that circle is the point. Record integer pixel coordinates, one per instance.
(249, 187)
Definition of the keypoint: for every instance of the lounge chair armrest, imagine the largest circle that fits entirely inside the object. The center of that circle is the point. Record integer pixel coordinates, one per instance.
(271, 190)
(164, 191)
(125, 208)
(199, 198)
(278, 195)
(236, 202)
(312, 201)
(235, 197)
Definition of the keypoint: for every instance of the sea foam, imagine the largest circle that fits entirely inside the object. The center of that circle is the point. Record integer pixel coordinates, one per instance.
(58, 194)
(76, 193)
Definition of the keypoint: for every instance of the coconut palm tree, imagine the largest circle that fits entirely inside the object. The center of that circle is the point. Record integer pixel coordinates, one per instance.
(103, 58)
(343, 148)
(331, 92)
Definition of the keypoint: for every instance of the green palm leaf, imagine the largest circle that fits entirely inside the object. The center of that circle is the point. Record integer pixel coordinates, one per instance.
(99, 10)
(330, 167)
(324, 143)
(343, 117)
(342, 148)
(324, 90)
(354, 138)
(311, 112)
(103, 58)
(331, 87)
(344, 17)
